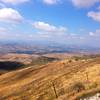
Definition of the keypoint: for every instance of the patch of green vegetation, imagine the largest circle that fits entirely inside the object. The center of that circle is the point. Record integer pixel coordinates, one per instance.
(39, 61)
(85, 57)
(42, 60)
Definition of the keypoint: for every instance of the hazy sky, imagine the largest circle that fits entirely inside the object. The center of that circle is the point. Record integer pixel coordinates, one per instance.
(62, 21)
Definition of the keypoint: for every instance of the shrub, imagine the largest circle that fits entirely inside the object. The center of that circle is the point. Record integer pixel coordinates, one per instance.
(70, 61)
(61, 92)
(78, 87)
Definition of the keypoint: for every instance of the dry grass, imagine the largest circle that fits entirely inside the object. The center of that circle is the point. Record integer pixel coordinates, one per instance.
(35, 83)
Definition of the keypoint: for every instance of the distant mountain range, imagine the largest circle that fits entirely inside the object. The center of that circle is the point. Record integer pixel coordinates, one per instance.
(33, 48)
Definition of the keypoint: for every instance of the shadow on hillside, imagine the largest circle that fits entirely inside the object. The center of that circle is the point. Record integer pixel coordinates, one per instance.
(10, 65)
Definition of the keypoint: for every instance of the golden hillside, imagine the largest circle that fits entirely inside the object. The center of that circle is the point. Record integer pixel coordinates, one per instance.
(62, 80)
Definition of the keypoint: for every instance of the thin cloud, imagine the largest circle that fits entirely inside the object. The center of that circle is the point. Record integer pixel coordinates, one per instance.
(14, 1)
(51, 2)
(96, 33)
(94, 15)
(84, 4)
(3, 30)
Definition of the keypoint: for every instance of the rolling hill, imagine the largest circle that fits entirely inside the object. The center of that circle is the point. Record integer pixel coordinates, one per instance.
(68, 79)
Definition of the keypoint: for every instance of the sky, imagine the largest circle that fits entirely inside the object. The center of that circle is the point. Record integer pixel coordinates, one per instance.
(60, 21)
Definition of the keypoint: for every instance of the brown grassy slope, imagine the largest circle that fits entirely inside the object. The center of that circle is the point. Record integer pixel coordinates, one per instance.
(11, 62)
(23, 58)
(37, 83)
(62, 55)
